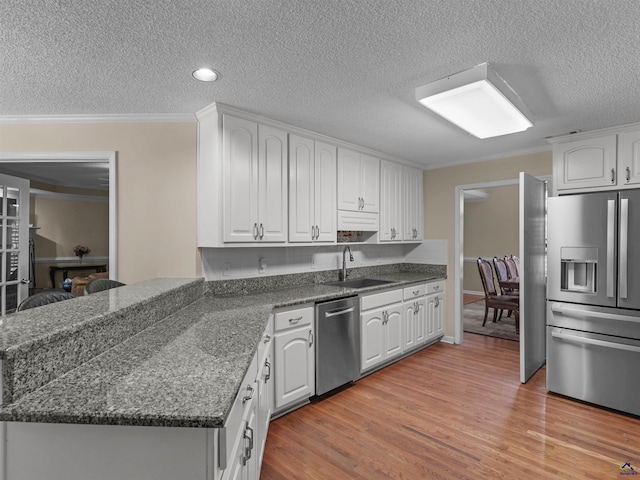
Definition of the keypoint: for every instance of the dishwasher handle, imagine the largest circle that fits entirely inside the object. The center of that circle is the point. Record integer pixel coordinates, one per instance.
(339, 311)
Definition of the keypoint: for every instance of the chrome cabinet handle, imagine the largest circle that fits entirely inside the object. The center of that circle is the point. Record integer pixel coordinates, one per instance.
(267, 338)
(385, 317)
(247, 450)
(436, 287)
(417, 307)
(416, 292)
(267, 365)
(628, 174)
(261, 231)
(248, 397)
(613, 175)
(437, 302)
(317, 232)
(255, 231)
(295, 320)
(310, 338)
(25, 281)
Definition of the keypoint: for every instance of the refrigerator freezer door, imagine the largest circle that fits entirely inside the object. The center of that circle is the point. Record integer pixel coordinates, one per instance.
(582, 248)
(629, 256)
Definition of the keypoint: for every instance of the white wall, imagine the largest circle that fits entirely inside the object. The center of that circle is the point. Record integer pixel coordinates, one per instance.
(245, 262)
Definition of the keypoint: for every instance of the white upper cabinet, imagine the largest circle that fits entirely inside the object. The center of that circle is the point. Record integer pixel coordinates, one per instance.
(413, 205)
(312, 191)
(629, 157)
(585, 163)
(391, 205)
(255, 181)
(358, 180)
(602, 160)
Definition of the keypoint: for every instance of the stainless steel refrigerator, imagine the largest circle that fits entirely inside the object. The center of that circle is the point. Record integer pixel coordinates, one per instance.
(593, 293)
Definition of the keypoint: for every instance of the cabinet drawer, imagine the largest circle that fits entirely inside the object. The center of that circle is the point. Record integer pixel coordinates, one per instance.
(233, 424)
(435, 287)
(293, 318)
(415, 291)
(375, 300)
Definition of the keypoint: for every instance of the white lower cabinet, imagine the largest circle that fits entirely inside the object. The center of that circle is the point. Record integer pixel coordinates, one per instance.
(294, 357)
(414, 316)
(381, 327)
(435, 310)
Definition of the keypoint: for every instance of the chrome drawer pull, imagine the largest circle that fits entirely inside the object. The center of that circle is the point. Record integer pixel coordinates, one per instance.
(295, 320)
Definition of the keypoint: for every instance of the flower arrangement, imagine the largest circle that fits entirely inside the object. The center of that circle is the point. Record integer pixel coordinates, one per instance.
(81, 250)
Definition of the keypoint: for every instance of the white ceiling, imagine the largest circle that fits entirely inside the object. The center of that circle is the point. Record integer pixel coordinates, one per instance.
(343, 68)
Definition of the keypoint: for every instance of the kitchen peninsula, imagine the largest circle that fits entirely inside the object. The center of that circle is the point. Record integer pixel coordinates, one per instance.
(140, 381)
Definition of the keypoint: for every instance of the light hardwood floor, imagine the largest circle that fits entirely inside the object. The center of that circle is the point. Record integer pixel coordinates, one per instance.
(452, 411)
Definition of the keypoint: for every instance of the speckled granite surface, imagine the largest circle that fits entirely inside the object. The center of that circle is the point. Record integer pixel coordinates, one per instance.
(183, 371)
(38, 345)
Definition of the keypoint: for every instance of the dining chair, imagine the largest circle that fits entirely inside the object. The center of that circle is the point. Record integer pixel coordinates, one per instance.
(502, 273)
(44, 298)
(492, 299)
(512, 266)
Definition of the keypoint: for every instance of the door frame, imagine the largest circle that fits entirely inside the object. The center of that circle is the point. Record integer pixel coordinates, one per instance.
(458, 266)
(81, 157)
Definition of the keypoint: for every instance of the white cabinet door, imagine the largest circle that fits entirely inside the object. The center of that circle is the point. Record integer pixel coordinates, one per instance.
(585, 163)
(348, 180)
(273, 192)
(420, 327)
(295, 366)
(409, 329)
(325, 192)
(629, 157)
(301, 189)
(413, 204)
(435, 315)
(369, 183)
(372, 343)
(240, 172)
(358, 181)
(393, 330)
(390, 202)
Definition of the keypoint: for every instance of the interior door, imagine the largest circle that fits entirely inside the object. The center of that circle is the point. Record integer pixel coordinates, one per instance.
(14, 251)
(532, 275)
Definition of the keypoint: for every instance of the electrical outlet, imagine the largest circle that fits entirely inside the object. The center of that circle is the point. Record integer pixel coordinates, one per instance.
(226, 269)
(262, 266)
(313, 262)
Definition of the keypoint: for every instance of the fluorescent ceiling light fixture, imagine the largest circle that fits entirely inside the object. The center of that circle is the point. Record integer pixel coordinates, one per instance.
(477, 100)
(205, 75)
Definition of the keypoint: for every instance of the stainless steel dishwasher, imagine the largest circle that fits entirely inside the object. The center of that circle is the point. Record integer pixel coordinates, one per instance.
(337, 343)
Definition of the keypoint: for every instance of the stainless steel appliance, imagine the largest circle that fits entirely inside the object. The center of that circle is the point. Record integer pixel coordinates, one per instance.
(593, 292)
(337, 343)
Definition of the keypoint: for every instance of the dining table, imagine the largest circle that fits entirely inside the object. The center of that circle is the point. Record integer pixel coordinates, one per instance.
(512, 283)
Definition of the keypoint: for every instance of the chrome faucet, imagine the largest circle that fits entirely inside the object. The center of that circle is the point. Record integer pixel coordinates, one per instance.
(344, 261)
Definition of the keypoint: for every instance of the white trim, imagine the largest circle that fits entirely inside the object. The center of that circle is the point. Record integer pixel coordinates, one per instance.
(447, 339)
(105, 118)
(88, 260)
(499, 156)
(99, 157)
(36, 192)
(473, 292)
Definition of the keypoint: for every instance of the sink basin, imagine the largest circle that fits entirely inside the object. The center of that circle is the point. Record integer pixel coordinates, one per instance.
(359, 283)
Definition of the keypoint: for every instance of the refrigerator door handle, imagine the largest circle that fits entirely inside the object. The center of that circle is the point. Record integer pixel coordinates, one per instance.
(611, 226)
(593, 341)
(624, 243)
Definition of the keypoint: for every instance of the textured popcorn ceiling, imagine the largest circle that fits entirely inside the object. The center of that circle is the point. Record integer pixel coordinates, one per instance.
(344, 68)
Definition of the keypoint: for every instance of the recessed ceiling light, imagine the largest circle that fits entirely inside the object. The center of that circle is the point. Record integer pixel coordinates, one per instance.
(205, 75)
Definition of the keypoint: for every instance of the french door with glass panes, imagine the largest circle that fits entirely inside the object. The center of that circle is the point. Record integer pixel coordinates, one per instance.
(14, 254)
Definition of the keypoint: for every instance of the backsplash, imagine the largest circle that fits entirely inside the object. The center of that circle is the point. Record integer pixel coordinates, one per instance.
(234, 263)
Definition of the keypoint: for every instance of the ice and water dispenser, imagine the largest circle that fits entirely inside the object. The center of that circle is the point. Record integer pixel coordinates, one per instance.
(578, 269)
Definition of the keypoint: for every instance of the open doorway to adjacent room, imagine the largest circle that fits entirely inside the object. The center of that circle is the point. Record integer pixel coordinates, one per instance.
(72, 203)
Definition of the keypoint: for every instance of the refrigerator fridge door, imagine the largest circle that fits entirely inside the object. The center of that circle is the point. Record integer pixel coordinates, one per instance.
(582, 248)
(629, 250)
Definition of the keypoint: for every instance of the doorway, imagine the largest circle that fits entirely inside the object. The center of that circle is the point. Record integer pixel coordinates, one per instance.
(87, 168)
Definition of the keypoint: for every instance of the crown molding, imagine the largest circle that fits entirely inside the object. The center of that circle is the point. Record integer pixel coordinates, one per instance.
(106, 118)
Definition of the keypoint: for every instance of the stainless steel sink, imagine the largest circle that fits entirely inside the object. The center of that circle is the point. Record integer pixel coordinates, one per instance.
(359, 283)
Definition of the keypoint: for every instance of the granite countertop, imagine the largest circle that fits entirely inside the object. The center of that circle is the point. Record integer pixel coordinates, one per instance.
(182, 371)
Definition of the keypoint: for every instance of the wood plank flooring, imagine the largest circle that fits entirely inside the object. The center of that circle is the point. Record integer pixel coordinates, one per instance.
(451, 411)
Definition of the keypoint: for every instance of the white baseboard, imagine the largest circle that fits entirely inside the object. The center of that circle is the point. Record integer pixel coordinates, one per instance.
(447, 339)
